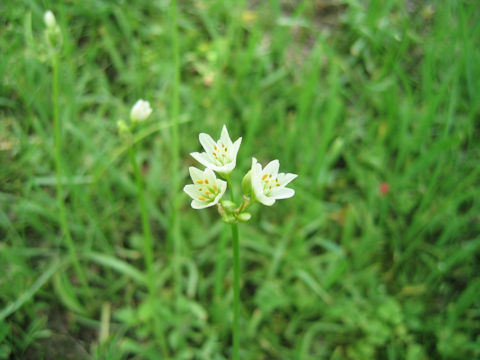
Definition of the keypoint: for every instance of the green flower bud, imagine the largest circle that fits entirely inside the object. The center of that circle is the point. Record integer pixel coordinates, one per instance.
(228, 205)
(247, 183)
(229, 219)
(122, 127)
(244, 217)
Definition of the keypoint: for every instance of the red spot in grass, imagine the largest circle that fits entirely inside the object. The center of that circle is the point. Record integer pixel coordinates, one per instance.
(384, 188)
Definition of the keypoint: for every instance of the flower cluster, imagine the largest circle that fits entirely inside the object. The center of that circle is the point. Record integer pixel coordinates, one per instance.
(259, 185)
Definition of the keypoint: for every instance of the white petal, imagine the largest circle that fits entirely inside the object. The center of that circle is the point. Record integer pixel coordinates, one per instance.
(256, 179)
(227, 168)
(222, 186)
(225, 137)
(210, 176)
(235, 147)
(192, 191)
(197, 204)
(282, 193)
(284, 179)
(272, 168)
(265, 200)
(202, 158)
(207, 142)
(195, 173)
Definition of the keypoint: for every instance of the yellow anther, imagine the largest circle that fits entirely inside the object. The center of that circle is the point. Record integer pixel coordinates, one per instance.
(206, 181)
(214, 154)
(264, 176)
(226, 148)
(215, 147)
(201, 198)
(278, 184)
(207, 192)
(215, 187)
(199, 181)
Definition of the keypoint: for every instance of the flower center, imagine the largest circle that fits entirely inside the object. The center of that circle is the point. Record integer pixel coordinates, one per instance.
(208, 191)
(220, 153)
(269, 182)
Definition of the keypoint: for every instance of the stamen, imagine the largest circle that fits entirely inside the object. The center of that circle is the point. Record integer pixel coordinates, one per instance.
(207, 192)
(206, 181)
(201, 198)
(200, 181)
(264, 176)
(215, 187)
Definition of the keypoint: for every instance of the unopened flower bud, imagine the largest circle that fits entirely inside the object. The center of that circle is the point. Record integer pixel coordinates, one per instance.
(140, 111)
(244, 217)
(229, 219)
(49, 20)
(247, 183)
(228, 205)
(52, 31)
(122, 127)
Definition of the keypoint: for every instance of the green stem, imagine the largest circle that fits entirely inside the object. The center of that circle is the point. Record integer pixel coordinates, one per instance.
(147, 242)
(147, 232)
(59, 172)
(236, 290)
(236, 281)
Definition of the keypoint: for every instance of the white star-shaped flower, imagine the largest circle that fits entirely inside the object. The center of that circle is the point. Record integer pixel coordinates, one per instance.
(220, 156)
(268, 184)
(206, 189)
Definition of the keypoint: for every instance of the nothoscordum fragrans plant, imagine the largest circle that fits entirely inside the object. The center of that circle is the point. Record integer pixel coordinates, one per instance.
(264, 186)
(139, 113)
(53, 37)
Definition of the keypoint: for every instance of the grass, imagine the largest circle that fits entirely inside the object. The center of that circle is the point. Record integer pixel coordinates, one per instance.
(349, 95)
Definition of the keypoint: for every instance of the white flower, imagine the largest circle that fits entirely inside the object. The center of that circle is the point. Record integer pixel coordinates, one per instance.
(268, 185)
(140, 111)
(49, 19)
(220, 156)
(206, 189)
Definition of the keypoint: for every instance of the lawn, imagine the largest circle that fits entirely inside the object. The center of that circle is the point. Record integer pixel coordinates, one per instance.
(374, 104)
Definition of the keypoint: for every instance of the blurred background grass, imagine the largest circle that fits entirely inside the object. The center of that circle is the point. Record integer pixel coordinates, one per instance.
(375, 104)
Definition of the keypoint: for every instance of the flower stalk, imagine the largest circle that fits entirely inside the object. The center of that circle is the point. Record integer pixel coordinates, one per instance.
(140, 112)
(147, 232)
(236, 281)
(264, 186)
(52, 27)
